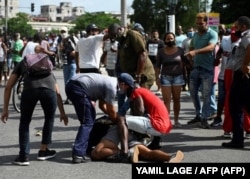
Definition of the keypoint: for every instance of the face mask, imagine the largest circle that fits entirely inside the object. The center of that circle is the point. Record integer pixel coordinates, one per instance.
(170, 43)
(238, 34)
(234, 38)
(64, 35)
(190, 34)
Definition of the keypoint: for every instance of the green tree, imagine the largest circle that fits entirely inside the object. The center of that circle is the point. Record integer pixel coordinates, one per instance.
(153, 13)
(20, 24)
(230, 10)
(102, 20)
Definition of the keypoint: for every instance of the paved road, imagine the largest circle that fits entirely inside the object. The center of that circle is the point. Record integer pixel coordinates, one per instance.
(199, 146)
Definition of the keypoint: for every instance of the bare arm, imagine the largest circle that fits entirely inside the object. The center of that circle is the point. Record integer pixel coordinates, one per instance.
(108, 109)
(138, 107)
(63, 116)
(206, 49)
(7, 93)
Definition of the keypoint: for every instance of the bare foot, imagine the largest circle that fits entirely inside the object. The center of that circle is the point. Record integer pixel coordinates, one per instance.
(177, 158)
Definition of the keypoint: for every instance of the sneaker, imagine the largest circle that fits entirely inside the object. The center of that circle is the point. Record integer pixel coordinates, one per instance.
(22, 161)
(227, 135)
(134, 154)
(39, 133)
(119, 158)
(217, 122)
(44, 155)
(79, 159)
(177, 125)
(204, 124)
(197, 119)
(177, 157)
(158, 93)
(247, 135)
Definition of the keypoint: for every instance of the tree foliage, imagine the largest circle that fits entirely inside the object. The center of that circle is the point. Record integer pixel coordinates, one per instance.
(230, 10)
(153, 13)
(102, 20)
(20, 24)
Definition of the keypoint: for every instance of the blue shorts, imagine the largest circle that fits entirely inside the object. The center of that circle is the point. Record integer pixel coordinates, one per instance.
(167, 80)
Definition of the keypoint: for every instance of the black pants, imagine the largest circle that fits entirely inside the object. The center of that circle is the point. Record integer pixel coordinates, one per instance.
(239, 100)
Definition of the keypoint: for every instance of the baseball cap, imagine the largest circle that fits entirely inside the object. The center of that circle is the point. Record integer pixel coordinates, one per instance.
(127, 79)
(64, 29)
(91, 27)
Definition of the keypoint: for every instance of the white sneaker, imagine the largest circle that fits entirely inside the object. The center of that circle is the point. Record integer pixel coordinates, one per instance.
(247, 135)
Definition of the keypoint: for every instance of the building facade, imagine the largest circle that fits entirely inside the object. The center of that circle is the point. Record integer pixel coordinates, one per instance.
(12, 8)
(61, 13)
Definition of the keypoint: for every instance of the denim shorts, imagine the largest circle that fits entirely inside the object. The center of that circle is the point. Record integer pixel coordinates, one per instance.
(167, 80)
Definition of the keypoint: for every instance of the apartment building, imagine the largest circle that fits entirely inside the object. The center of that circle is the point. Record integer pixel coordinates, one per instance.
(12, 8)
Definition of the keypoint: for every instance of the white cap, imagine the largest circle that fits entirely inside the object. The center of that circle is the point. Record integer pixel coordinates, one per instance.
(64, 29)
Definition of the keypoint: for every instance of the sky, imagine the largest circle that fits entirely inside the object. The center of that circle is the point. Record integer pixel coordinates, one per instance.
(89, 5)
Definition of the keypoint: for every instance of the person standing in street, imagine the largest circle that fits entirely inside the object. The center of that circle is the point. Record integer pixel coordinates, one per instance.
(239, 99)
(42, 88)
(16, 49)
(67, 48)
(154, 44)
(202, 75)
(89, 50)
(169, 74)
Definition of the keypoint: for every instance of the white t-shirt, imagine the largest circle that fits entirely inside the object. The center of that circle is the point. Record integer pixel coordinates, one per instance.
(29, 48)
(227, 45)
(90, 50)
(1, 52)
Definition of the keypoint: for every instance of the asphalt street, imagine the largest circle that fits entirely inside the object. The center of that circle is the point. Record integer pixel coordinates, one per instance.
(199, 146)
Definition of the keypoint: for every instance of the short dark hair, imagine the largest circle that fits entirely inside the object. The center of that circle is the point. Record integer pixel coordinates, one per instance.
(244, 20)
(202, 15)
(167, 33)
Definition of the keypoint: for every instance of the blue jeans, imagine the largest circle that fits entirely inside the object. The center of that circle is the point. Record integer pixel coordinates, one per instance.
(239, 100)
(213, 109)
(86, 115)
(69, 70)
(29, 99)
(201, 78)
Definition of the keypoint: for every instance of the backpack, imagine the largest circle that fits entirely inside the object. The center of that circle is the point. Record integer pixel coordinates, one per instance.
(100, 128)
(38, 65)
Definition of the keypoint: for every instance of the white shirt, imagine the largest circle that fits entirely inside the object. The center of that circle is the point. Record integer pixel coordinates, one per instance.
(29, 48)
(111, 55)
(1, 52)
(90, 51)
(227, 45)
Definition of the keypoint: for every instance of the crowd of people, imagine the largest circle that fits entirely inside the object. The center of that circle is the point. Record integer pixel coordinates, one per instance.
(194, 61)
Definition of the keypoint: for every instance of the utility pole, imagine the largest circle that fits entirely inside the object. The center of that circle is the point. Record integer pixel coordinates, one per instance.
(6, 17)
(123, 13)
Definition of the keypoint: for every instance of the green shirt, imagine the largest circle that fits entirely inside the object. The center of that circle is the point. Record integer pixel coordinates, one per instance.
(17, 47)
